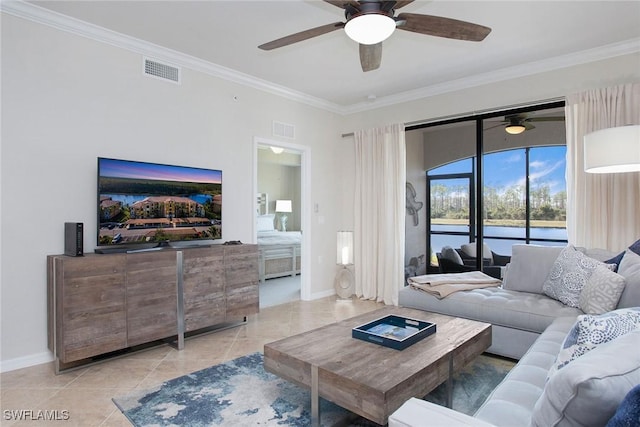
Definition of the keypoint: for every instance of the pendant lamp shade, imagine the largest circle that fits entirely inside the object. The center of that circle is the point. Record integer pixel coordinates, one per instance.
(612, 150)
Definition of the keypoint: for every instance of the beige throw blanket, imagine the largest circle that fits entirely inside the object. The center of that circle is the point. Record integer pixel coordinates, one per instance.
(441, 285)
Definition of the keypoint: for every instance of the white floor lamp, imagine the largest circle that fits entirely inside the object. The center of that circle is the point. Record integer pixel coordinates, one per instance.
(344, 282)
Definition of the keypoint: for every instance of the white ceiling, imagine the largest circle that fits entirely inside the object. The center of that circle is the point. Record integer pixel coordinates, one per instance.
(527, 36)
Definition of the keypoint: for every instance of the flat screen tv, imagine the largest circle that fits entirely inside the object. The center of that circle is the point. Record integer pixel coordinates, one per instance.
(148, 204)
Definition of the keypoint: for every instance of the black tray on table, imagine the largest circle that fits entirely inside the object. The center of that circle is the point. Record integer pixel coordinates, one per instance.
(393, 331)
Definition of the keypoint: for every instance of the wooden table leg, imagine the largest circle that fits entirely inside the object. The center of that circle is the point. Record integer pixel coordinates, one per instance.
(450, 383)
(315, 398)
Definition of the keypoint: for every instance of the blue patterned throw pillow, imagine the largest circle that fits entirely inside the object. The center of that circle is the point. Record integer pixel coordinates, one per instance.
(634, 247)
(590, 331)
(615, 261)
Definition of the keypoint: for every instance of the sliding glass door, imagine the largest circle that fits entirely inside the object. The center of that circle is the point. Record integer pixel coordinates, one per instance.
(515, 190)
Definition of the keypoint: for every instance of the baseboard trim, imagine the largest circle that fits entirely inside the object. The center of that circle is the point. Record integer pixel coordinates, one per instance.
(26, 361)
(323, 294)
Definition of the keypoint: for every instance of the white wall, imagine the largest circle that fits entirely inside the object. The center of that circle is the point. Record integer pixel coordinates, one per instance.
(281, 183)
(67, 100)
(519, 91)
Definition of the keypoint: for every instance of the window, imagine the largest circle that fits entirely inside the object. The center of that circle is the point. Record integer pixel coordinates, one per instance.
(521, 196)
(506, 204)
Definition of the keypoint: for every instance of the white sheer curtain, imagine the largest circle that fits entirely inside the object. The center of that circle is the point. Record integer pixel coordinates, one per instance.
(379, 213)
(603, 210)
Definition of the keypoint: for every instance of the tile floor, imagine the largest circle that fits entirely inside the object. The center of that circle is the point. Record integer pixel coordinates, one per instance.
(86, 393)
(279, 291)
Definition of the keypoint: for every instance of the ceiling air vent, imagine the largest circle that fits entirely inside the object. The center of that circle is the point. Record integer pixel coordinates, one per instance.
(161, 71)
(284, 130)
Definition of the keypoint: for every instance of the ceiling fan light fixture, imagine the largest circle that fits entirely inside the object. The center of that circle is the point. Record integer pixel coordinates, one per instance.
(277, 150)
(370, 28)
(515, 129)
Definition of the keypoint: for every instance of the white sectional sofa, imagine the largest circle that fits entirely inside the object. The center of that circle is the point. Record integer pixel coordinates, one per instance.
(531, 326)
(587, 392)
(518, 310)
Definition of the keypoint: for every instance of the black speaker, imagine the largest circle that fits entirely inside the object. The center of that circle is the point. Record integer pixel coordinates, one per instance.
(73, 232)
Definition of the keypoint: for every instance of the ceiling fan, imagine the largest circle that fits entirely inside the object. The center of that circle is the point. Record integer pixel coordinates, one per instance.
(370, 22)
(515, 124)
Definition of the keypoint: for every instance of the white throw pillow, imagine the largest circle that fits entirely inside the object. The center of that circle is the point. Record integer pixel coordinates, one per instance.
(589, 390)
(265, 222)
(602, 291)
(451, 254)
(470, 250)
(569, 274)
(629, 268)
(529, 267)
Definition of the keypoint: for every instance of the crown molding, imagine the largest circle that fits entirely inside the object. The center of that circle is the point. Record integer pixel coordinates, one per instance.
(62, 22)
(564, 61)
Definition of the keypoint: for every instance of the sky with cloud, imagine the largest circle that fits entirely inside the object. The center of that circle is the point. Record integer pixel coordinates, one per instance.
(506, 169)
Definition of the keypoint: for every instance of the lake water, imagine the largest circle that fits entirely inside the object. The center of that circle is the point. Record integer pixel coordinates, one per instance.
(500, 246)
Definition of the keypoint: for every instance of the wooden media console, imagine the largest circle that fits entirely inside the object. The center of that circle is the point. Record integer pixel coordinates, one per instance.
(104, 303)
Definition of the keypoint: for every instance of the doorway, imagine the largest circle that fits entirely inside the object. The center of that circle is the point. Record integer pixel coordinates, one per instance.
(281, 226)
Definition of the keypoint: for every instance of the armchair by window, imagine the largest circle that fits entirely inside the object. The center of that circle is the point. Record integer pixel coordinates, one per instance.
(460, 260)
(468, 254)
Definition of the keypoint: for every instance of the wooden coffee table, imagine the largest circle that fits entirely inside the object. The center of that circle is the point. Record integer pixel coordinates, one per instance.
(368, 379)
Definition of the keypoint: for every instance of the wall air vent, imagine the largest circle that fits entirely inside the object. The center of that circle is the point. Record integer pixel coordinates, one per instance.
(161, 71)
(284, 130)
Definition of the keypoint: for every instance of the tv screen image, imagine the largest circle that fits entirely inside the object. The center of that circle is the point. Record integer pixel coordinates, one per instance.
(146, 203)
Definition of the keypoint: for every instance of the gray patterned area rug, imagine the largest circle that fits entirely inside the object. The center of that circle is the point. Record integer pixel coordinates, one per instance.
(241, 393)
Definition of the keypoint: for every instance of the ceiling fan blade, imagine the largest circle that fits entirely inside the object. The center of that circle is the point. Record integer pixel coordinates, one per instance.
(546, 119)
(442, 27)
(343, 3)
(400, 3)
(527, 125)
(517, 117)
(302, 35)
(370, 56)
(493, 127)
